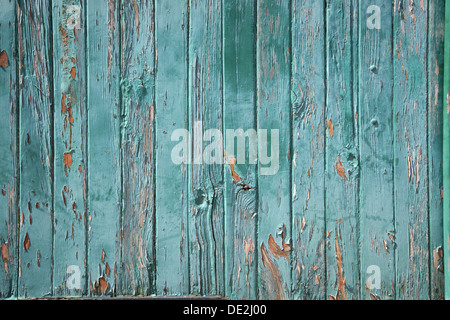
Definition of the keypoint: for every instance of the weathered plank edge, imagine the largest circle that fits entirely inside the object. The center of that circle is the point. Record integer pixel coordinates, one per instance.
(446, 153)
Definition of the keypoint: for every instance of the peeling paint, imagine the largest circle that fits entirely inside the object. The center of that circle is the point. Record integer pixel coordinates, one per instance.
(5, 256)
(340, 168)
(274, 282)
(3, 59)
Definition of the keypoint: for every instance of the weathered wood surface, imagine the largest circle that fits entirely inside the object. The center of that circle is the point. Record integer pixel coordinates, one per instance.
(172, 193)
(308, 141)
(36, 268)
(137, 268)
(103, 135)
(239, 65)
(96, 95)
(446, 154)
(436, 18)
(375, 118)
(9, 182)
(341, 162)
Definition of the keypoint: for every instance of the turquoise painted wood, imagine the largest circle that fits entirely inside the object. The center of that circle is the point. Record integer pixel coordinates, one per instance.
(376, 151)
(172, 195)
(36, 268)
(70, 186)
(103, 143)
(239, 67)
(446, 154)
(274, 58)
(9, 161)
(137, 267)
(250, 149)
(308, 79)
(206, 193)
(410, 152)
(341, 158)
(436, 47)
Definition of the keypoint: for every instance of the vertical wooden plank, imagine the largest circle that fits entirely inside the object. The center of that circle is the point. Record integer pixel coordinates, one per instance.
(342, 167)
(446, 154)
(239, 67)
(9, 151)
(103, 78)
(138, 109)
(274, 113)
(308, 100)
(435, 100)
(411, 157)
(36, 167)
(206, 180)
(171, 178)
(70, 133)
(375, 118)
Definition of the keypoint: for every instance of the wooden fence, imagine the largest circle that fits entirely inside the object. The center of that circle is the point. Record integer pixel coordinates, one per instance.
(110, 109)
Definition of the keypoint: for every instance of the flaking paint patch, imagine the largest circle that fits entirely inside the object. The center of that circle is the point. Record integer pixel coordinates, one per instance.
(276, 250)
(438, 254)
(73, 72)
(340, 168)
(26, 242)
(5, 256)
(232, 163)
(342, 291)
(67, 161)
(3, 59)
(274, 284)
(330, 127)
(249, 247)
(102, 285)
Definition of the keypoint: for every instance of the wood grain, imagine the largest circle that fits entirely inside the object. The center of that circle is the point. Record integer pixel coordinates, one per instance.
(103, 135)
(375, 117)
(9, 165)
(70, 145)
(410, 150)
(93, 91)
(308, 165)
(206, 206)
(137, 238)
(274, 113)
(436, 20)
(239, 65)
(446, 154)
(172, 194)
(342, 167)
(36, 150)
